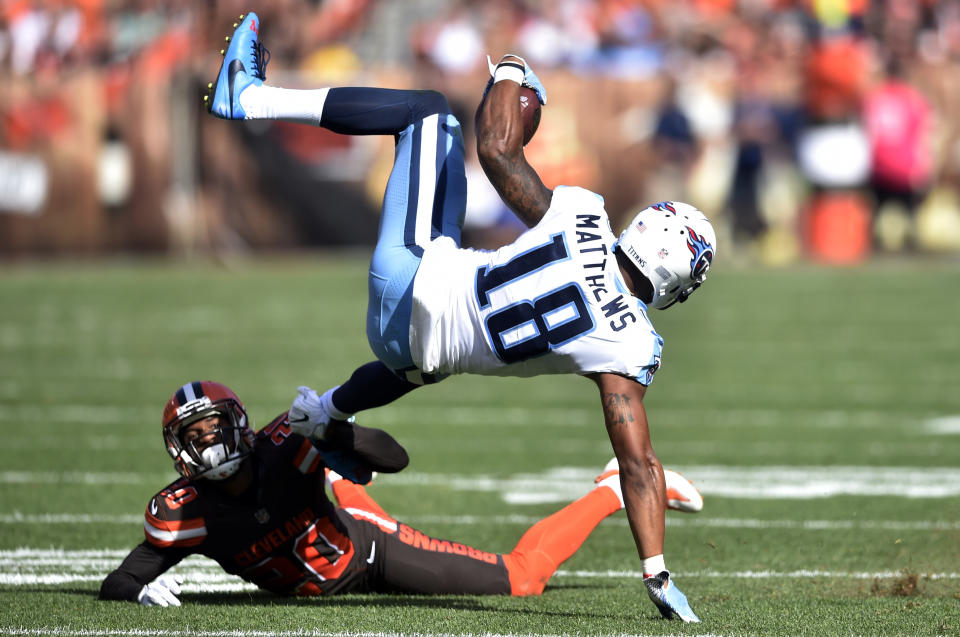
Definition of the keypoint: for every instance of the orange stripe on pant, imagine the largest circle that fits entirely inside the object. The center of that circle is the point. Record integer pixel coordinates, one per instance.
(354, 496)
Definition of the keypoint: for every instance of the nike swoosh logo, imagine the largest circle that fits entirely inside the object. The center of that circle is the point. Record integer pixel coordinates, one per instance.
(235, 67)
(373, 551)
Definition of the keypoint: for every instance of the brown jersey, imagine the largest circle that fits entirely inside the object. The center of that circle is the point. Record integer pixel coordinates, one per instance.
(283, 535)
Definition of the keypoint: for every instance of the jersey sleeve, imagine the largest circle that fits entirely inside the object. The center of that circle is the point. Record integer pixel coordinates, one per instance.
(288, 448)
(653, 363)
(371, 448)
(144, 564)
(573, 200)
(172, 518)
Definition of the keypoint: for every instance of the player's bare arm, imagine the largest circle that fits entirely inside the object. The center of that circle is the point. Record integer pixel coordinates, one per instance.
(500, 150)
(644, 491)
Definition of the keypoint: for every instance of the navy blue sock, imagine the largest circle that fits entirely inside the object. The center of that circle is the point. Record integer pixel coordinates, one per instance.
(378, 111)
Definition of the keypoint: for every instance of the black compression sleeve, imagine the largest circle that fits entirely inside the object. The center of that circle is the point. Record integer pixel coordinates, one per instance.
(371, 385)
(142, 565)
(378, 111)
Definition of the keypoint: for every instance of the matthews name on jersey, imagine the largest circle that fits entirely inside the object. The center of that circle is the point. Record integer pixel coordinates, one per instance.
(552, 302)
(278, 543)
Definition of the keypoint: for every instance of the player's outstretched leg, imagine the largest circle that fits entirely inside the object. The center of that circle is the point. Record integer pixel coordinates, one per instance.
(552, 540)
(425, 196)
(239, 92)
(371, 385)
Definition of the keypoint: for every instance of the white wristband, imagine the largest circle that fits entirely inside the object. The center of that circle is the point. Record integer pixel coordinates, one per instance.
(327, 401)
(510, 72)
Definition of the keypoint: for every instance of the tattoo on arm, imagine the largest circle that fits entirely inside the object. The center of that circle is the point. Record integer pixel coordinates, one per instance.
(520, 186)
(616, 409)
(500, 151)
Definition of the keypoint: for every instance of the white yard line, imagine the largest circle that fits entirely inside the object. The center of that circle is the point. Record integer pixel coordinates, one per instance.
(801, 574)
(946, 425)
(66, 631)
(69, 518)
(30, 566)
(207, 581)
(564, 484)
(84, 477)
(677, 520)
(73, 413)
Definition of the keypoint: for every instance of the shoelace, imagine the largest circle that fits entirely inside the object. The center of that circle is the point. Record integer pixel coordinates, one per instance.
(261, 58)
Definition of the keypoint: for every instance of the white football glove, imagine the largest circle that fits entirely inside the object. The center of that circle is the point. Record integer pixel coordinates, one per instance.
(307, 416)
(162, 591)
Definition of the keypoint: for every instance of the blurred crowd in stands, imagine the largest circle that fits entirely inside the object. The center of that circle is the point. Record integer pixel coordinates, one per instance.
(807, 129)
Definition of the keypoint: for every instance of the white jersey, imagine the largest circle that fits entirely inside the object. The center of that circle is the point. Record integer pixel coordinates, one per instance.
(552, 302)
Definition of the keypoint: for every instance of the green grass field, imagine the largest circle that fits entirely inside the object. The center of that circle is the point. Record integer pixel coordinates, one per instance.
(817, 409)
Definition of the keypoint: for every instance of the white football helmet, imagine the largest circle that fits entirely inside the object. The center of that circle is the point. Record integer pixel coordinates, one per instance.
(232, 441)
(672, 244)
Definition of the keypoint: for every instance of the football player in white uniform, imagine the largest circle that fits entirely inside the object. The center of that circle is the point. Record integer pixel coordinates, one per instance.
(568, 296)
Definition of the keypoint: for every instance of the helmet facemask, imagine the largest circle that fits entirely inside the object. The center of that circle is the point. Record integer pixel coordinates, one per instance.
(216, 454)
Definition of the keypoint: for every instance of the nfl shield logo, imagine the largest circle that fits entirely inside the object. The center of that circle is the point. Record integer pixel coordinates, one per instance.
(262, 516)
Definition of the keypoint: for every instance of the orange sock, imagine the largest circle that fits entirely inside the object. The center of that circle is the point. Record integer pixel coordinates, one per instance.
(549, 542)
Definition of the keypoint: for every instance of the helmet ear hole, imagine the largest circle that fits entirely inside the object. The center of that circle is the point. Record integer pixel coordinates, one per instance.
(644, 286)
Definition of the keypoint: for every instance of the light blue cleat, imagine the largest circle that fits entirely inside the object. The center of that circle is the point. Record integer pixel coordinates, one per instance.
(669, 600)
(244, 63)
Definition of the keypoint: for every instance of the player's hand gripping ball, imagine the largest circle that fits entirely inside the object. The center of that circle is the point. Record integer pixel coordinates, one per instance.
(529, 113)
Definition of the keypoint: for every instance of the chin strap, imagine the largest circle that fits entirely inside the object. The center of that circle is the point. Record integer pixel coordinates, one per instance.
(683, 295)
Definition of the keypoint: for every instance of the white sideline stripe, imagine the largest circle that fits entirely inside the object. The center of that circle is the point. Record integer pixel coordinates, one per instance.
(565, 484)
(94, 564)
(66, 631)
(73, 413)
(69, 518)
(765, 418)
(199, 581)
(84, 477)
(800, 574)
(673, 520)
(944, 425)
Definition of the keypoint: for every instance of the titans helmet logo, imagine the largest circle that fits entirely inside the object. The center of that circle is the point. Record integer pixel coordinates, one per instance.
(666, 206)
(702, 253)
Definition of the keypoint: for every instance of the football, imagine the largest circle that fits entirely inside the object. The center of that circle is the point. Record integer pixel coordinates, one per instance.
(681, 494)
(529, 112)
